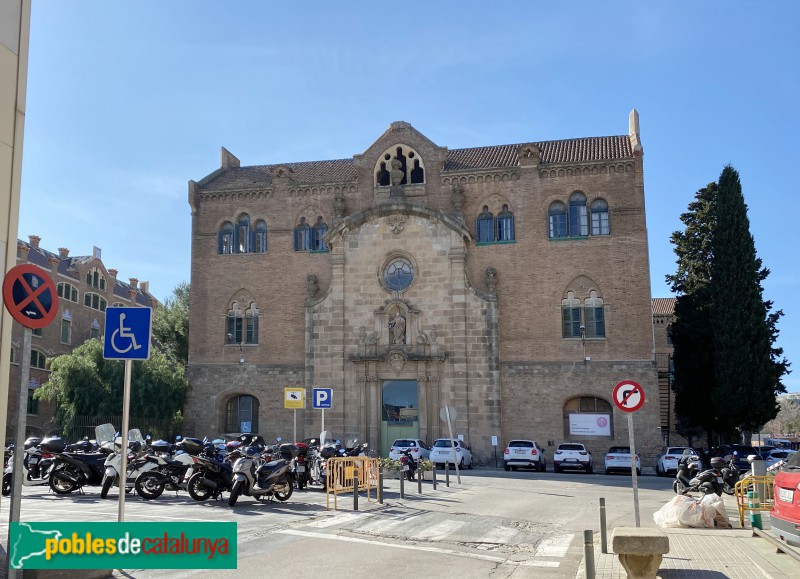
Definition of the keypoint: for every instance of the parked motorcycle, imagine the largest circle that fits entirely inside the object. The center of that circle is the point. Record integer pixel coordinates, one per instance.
(688, 467)
(74, 470)
(301, 465)
(8, 461)
(135, 464)
(706, 482)
(408, 465)
(730, 475)
(254, 478)
(170, 472)
(212, 474)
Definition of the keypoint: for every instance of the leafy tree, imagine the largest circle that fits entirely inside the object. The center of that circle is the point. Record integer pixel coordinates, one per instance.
(171, 324)
(727, 369)
(83, 383)
(747, 367)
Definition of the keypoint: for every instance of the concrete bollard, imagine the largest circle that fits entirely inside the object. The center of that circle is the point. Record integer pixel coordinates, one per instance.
(402, 484)
(434, 476)
(447, 474)
(380, 486)
(419, 480)
(355, 489)
(588, 554)
(603, 536)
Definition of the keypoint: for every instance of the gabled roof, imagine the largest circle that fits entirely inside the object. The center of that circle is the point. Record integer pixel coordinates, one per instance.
(492, 157)
(663, 306)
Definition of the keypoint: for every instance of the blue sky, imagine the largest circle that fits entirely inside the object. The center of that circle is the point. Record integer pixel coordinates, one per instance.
(127, 101)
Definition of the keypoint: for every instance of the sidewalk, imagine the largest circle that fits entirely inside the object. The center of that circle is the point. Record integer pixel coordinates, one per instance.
(707, 554)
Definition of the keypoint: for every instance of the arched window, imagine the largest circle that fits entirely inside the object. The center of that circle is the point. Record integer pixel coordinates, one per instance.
(241, 414)
(505, 225)
(557, 218)
(594, 316)
(401, 164)
(242, 325)
(259, 241)
(243, 234)
(578, 218)
(570, 316)
(302, 236)
(38, 360)
(225, 238)
(96, 279)
(67, 292)
(318, 234)
(94, 301)
(588, 416)
(600, 223)
(417, 173)
(485, 226)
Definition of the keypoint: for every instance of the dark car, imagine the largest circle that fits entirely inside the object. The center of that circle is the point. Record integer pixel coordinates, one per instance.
(739, 451)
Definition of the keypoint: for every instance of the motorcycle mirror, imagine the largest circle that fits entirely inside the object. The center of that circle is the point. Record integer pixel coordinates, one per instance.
(148, 437)
(279, 439)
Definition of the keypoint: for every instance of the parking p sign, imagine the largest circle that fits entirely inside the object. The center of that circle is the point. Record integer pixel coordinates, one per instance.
(322, 398)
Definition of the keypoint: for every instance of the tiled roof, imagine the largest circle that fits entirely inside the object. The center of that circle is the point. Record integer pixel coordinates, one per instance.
(335, 171)
(663, 306)
(66, 266)
(492, 157)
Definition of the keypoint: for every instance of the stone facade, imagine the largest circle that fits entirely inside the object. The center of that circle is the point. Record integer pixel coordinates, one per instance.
(481, 321)
(76, 320)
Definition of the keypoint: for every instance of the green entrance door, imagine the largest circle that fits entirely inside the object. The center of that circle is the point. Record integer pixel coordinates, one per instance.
(400, 412)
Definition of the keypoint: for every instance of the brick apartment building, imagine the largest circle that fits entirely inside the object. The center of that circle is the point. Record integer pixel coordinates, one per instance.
(85, 288)
(510, 282)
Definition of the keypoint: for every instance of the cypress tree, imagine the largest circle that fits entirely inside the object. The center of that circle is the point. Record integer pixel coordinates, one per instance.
(747, 366)
(691, 331)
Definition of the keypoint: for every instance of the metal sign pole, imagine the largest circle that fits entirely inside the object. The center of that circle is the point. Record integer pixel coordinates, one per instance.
(633, 470)
(321, 442)
(19, 444)
(452, 442)
(126, 410)
(295, 423)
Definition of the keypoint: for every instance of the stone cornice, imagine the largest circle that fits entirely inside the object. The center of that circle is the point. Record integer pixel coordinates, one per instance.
(552, 170)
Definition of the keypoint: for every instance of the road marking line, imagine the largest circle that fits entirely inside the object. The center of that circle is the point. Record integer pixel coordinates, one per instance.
(438, 531)
(556, 546)
(499, 535)
(313, 535)
(341, 518)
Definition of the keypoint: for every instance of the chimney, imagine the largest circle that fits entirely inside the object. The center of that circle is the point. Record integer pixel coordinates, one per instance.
(153, 302)
(113, 273)
(22, 250)
(633, 133)
(145, 287)
(63, 252)
(228, 160)
(34, 239)
(134, 282)
(53, 261)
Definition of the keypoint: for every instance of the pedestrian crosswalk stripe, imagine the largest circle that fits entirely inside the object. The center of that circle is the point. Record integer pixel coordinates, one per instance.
(438, 531)
(555, 546)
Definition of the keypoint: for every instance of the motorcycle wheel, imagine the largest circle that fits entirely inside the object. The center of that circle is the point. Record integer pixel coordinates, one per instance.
(727, 489)
(235, 492)
(197, 490)
(60, 484)
(284, 496)
(148, 487)
(7, 484)
(678, 487)
(107, 482)
(323, 480)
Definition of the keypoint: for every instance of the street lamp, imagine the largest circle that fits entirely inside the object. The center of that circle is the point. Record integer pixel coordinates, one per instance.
(241, 351)
(583, 341)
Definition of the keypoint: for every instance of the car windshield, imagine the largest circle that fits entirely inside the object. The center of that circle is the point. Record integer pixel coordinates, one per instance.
(520, 444)
(404, 443)
(743, 450)
(620, 449)
(443, 444)
(677, 450)
(570, 447)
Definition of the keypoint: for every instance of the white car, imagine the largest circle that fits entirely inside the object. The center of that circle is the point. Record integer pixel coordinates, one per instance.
(572, 455)
(524, 454)
(618, 458)
(778, 455)
(667, 462)
(442, 452)
(419, 450)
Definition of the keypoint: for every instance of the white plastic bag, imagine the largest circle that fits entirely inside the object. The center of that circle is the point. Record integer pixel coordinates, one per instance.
(714, 512)
(681, 511)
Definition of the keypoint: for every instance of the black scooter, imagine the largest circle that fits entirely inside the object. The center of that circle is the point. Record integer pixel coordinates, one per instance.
(408, 465)
(74, 470)
(211, 476)
(688, 467)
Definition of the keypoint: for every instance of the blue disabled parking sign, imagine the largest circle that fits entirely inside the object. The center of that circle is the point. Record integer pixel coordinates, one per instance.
(127, 333)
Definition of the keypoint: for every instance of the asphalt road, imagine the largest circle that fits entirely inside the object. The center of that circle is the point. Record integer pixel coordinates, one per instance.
(498, 524)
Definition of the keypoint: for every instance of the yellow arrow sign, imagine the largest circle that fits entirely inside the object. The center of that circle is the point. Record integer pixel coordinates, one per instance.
(294, 397)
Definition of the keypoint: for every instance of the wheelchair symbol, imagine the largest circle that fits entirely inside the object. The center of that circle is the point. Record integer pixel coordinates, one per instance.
(123, 332)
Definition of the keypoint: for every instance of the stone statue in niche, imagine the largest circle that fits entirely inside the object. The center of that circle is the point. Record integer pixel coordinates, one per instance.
(312, 285)
(397, 173)
(372, 343)
(422, 338)
(491, 279)
(434, 333)
(397, 330)
(457, 197)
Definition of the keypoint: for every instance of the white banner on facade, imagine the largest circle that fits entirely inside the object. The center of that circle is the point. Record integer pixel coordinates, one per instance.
(590, 424)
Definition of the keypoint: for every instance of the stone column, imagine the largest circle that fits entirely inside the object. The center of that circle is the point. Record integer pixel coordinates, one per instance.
(422, 393)
(374, 414)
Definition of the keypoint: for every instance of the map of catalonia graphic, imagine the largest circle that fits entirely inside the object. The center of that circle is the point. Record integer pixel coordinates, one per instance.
(29, 539)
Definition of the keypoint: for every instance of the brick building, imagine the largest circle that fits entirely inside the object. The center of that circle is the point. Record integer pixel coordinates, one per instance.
(85, 288)
(510, 282)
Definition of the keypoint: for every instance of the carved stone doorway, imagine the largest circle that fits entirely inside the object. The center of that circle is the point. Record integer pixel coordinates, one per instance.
(399, 412)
